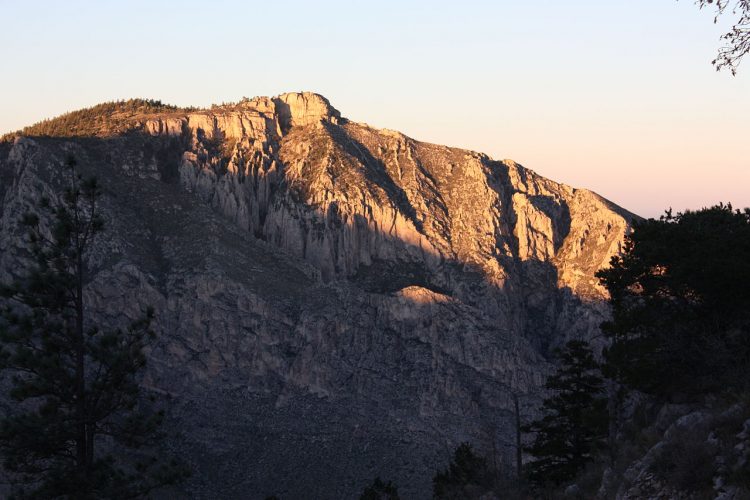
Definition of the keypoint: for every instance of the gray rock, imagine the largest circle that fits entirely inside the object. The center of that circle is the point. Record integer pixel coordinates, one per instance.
(334, 302)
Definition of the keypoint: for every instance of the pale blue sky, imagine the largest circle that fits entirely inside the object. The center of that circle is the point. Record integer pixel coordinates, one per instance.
(615, 96)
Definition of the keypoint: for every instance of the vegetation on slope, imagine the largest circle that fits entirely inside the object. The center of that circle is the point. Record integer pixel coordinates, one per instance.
(105, 119)
(111, 118)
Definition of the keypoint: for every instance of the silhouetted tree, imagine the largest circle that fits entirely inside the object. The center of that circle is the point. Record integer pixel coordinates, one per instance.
(681, 304)
(738, 38)
(76, 409)
(575, 418)
(467, 476)
(518, 428)
(379, 490)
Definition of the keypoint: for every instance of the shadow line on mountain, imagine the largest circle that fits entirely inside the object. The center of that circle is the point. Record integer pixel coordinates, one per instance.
(376, 173)
(385, 262)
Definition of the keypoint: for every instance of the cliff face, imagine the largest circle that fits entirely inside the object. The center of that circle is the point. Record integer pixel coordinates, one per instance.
(334, 302)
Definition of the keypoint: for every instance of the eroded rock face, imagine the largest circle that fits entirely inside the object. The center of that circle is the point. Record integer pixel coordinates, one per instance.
(334, 302)
(261, 118)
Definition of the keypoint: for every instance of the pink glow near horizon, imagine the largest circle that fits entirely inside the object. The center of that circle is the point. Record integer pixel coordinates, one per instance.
(616, 97)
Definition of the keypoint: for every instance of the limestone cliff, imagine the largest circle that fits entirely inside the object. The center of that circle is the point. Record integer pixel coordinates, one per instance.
(335, 302)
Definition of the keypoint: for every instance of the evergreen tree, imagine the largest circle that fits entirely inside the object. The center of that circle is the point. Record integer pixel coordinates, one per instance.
(76, 409)
(467, 476)
(575, 418)
(380, 490)
(681, 304)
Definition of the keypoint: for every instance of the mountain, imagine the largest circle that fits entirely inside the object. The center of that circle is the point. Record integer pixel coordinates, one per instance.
(334, 302)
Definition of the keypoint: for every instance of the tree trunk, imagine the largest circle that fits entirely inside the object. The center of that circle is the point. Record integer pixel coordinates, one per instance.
(614, 410)
(493, 438)
(518, 436)
(82, 458)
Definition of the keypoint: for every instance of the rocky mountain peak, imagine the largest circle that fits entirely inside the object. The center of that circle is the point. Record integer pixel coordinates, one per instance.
(321, 284)
(304, 108)
(271, 116)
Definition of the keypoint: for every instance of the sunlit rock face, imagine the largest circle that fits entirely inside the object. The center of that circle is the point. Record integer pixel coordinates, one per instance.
(335, 302)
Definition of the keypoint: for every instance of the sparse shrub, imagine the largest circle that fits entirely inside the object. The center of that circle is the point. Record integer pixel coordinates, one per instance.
(740, 477)
(590, 479)
(467, 476)
(380, 490)
(686, 460)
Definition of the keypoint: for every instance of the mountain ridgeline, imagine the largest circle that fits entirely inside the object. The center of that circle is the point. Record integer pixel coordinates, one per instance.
(334, 302)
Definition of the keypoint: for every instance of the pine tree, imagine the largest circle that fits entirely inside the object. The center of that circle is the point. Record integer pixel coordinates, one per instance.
(575, 418)
(467, 476)
(76, 409)
(380, 490)
(680, 301)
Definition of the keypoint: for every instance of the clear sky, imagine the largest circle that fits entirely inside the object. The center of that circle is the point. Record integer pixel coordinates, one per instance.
(615, 96)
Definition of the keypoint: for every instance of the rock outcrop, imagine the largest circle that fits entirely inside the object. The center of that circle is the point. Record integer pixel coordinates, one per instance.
(688, 451)
(335, 302)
